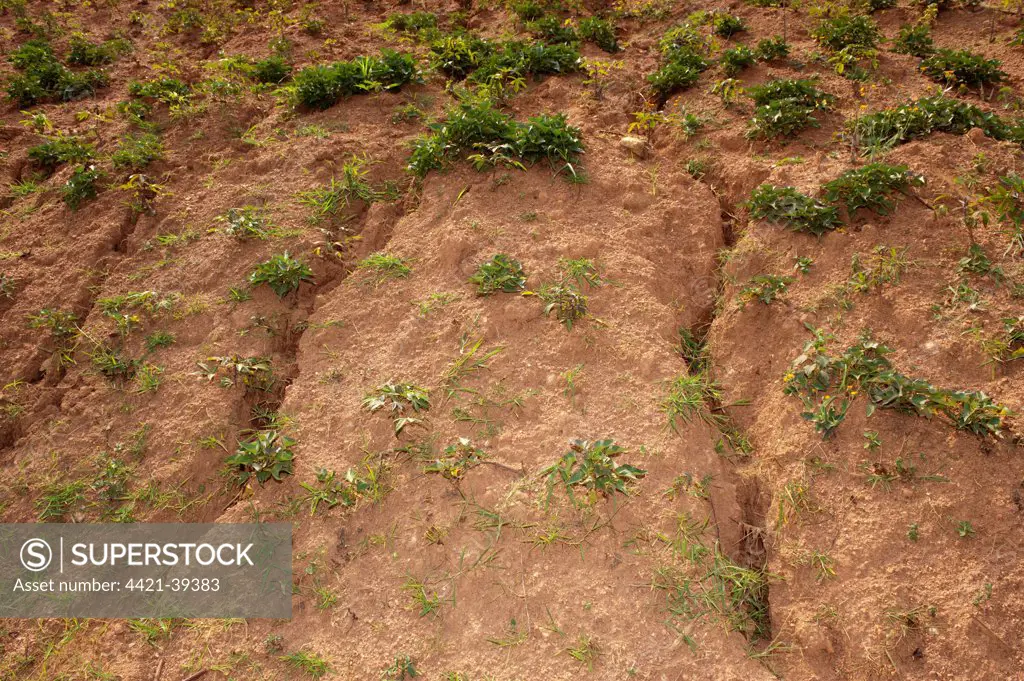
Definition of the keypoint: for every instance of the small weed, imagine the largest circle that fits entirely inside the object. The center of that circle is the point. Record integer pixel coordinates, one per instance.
(310, 664)
(964, 529)
(727, 25)
(248, 222)
(565, 302)
(395, 399)
(763, 287)
(383, 266)
(58, 499)
(592, 466)
(135, 152)
(268, 454)
(59, 150)
(913, 532)
(458, 458)
(255, 373)
(113, 365)
(401, 668)
(499, 274)
(585, 651)
(736, 59)
(282, 273)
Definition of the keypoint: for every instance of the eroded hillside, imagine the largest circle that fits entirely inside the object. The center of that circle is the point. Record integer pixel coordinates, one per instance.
(633, 339)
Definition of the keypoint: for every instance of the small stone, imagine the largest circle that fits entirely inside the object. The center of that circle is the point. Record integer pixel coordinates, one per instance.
(635, 145)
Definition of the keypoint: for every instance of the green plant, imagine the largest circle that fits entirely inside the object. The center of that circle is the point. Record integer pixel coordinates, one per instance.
(267, 454)
(57, 500)
(962, 67)
(884, 265)
(964, 529)
(248, 222)
(413, 22)
(114, 365)
(736, 59)
(871, 187)
(864, 369)
(771, 49)
(458, 458)
(692, 394)
(784, 107)
(282, 273)
(599, 31)
(272, 70)
(341, 194)
(764, 287)
(845, 30)
(500, 273)
(82, 52)
(1009, 344)
(882, 130)
(592, 465)
(383, 266)
(330, 492)
(254, 373)
(727, 25)
(135, 152)
(43, 78)
(81, 186)
(684, 55)
(787, 206)
(401, 668)
(553, 30)
(394, 399)
(322, 86)
(565, 301)
(310, 664)
(59, 150)
(915, 40)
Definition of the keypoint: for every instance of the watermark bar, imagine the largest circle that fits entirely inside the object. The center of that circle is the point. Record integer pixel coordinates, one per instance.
(137, 570)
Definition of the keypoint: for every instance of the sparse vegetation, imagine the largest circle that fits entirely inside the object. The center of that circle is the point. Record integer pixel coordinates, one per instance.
(282, 273)
(788, 207)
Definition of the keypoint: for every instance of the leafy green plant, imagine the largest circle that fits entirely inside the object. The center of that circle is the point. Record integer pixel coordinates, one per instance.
(135, 152)
(395, 399)
(82, 52)
(565, 302)
(248, 222)
(864, 369)
(763, 287)
(845, 30)
(340, 194)
(254, 373)
(736, 59)
(915, 40)
(784, 107)
(871, 186)
(322, 86)
(329, 491)
(267, 454)
(727, 25)
(500, 273)
(787, 206)
(282, 273)
(497, 139)
(599, 31)
(962, 67)
(59, 150)
(882, 130)
(81, 186)
(771, 49)
(592, 465)
(458, 458)
(113, 364)
(270, 71)
(43, 78)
